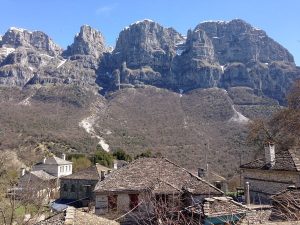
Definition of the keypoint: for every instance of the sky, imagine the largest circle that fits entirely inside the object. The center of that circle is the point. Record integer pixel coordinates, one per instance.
(61, 19)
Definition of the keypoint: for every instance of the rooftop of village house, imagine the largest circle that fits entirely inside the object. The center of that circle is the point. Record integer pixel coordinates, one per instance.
(53, 160)
(90, 173)
(219, 206)
(41, 174)
(73, 216)
(157, 174)
(286, 160)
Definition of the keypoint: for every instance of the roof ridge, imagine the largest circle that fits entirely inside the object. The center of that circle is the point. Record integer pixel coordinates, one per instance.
(193, 175)
(168, 183)
(295, 158)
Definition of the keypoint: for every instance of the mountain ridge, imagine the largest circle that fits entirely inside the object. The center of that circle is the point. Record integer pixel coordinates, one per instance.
(157, 89)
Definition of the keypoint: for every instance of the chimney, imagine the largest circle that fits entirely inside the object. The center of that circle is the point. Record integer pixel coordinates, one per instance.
(44, 160)
(247, 193)
(115, 164)
(202, 172)
(63, 156)
(102, 175)
(23, 172)
(270, 153)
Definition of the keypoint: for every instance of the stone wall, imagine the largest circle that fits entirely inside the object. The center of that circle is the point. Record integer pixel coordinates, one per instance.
(81, 189)
(264, 183)
(123, 203)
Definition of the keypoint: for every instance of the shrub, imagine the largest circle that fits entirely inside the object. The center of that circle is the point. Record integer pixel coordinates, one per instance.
(122, 155)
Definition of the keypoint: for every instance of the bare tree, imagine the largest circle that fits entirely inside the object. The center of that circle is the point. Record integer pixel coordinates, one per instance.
(286, 206)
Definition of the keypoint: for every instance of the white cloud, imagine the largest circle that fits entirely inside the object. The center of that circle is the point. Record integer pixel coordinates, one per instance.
(105, 10)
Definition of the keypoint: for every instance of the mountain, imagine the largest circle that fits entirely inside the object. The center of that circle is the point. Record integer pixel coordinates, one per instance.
(185, 97)
(214, 54)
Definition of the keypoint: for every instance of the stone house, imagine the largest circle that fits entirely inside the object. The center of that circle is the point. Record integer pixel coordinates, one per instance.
(55, 166)
(43, 179)
(272, 174)
(213, 178)
(135, 185)
(36, 185)
(78, 187)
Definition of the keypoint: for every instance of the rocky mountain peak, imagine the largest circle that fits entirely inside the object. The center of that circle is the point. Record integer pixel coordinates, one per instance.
(143, 41)
(37, 40)
(238, 41)
(87, 42)
(200, 46)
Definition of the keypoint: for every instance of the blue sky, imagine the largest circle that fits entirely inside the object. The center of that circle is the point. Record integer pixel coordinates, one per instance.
(61, 19)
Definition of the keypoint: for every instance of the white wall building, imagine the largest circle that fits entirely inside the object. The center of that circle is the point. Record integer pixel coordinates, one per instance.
(55, 166)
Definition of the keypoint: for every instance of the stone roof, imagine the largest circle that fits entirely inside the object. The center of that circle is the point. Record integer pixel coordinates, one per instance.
(220, 206)
(57, 219)
(91, 173)
(146, 173)
(288, 160)
(42, 175)
(211, 176)
(34, 179)
(73, 216)
(53, 160)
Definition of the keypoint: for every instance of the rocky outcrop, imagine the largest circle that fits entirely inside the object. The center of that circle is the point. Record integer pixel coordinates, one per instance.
(143, 54)
(214, 54)
(196, 66)
(87, 42)
(37, 40)
(28, 58)
(238, 41)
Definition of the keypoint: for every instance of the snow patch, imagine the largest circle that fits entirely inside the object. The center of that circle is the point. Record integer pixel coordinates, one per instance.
(62, 62)
(6, 51)
(215, 21)
(18, 29)
(179, 51)
(222, 68)
(180, 91)
(141, 21)
(25, 102)
(48, 56)
(238, 117)
(88, 124)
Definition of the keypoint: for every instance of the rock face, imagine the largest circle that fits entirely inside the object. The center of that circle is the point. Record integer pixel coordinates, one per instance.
(143, 53)
(238, 41)
(16, 37)
(214, 54)
(88, 42)
(29, 58)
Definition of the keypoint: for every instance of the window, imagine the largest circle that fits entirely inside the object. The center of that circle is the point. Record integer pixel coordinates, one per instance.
(112, 202)
(88, 190)
(66, 168)
(65, 187)
(72, 188)
(133, 200)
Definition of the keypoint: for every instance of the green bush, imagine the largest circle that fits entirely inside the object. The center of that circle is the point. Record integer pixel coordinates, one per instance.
(146, 154)
(122, 155)
(104, 158)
